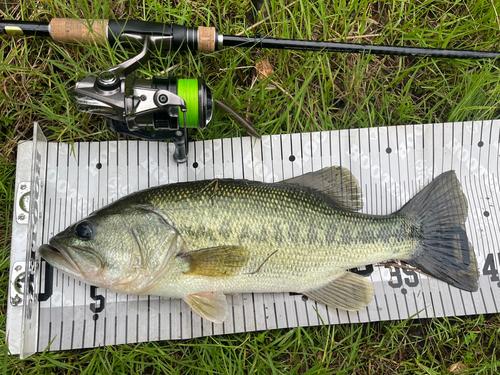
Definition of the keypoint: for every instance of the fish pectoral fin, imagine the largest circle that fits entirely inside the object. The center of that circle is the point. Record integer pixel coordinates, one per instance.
(209, 305)
(350, 291)
(220, 261)
(337, 183)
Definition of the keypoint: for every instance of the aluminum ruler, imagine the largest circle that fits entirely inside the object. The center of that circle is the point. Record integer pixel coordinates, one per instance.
(58, 184)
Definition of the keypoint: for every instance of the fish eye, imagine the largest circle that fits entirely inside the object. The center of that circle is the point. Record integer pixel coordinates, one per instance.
(85, 230)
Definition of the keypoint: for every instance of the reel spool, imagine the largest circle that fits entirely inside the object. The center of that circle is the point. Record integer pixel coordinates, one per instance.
(159, 109)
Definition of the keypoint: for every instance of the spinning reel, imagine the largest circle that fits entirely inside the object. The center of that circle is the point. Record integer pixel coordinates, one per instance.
(159, 109)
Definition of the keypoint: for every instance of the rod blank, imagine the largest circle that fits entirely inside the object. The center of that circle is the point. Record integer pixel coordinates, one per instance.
(306, 45)
(16, 28)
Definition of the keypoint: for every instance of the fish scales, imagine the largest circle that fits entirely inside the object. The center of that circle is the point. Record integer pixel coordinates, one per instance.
(310, 241)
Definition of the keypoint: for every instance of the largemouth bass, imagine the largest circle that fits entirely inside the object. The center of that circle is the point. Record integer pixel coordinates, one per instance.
(202, 240)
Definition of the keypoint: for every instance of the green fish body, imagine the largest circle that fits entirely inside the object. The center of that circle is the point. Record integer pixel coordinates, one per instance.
(202, 240)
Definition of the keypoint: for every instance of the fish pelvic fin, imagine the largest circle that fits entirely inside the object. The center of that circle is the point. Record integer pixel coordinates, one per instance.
(349, 291)
(209, 305)
(444, 251)
(220, 261)
(337, 183)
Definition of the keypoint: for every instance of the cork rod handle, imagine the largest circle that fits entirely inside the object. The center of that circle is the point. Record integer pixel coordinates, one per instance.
(68, 30)
(206, 39)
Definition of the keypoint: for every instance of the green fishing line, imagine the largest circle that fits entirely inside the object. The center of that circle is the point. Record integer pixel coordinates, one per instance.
(187, 89)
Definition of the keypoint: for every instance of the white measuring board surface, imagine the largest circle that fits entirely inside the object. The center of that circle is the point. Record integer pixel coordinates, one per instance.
(391, 164)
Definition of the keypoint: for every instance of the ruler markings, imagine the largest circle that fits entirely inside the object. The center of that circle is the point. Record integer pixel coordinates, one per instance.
(477, 197)
(325, 149)
(455, 307)
(268, 302)
(419, 184)
(248, 321)
(345, 151)
(494, 205)
(413, 151)
(309, 148)
(48, 231)
(431, 171)
(456, 165)
(361, 163)
(469, 299)
(334, 144)
(467, 168)
(485, 237)
(142, 322)
(277, 167)
(485, 182)
(458, 137)
(398, 170)
(377, 174)
(317, 310)
(164, 319)
(57, 297)
(404, 294)
(220, 164)
(287, 165)
(67, 289)
(387, 193)
(227, 158)
(236, 308)
(296, 158)
(261, 173)
(399, 146)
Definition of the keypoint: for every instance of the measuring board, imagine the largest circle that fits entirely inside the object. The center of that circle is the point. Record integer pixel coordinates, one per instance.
(58, 184)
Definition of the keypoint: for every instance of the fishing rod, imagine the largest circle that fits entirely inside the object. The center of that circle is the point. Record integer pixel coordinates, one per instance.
(207, 39)
(167, 105)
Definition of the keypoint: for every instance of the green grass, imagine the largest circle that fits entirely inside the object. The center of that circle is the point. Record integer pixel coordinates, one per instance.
(319, 92)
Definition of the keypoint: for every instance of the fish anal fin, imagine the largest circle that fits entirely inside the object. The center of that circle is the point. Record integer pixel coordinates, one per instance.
(337, 183)
(209, 305)
(350, 292)
(221, 261)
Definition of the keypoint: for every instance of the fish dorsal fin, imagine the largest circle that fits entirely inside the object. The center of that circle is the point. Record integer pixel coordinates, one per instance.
(350, 291)
(220, 261)
(209, 305)
(337, 183)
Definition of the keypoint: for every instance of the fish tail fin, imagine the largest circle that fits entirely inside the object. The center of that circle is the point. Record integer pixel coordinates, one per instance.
(444, 251)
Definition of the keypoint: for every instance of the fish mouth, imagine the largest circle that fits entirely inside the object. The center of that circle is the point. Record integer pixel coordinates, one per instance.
(58, 257)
